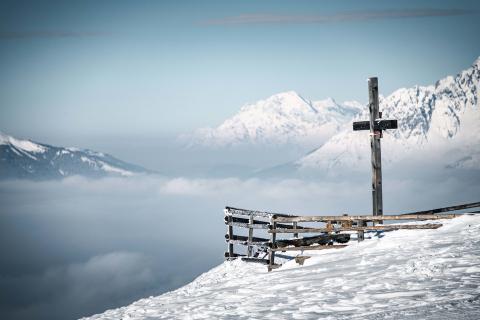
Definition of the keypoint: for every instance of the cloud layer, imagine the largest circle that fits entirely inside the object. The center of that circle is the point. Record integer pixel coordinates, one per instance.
(77, 247)
(32, 34)
(339, 17)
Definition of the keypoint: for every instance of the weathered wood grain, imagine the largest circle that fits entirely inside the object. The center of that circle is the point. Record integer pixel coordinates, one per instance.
(317, 247)
(323, 239)
(367, 228)
(364, 218)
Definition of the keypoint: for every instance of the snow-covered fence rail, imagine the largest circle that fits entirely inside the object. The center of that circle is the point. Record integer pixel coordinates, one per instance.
(334, 232)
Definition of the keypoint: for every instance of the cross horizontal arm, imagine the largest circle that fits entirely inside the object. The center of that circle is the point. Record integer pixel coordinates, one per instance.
(378, 125)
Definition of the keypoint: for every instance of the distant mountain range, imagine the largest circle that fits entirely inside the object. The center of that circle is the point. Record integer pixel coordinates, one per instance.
(440, 122)
(284, 118)
(26, 159)
(437, 122)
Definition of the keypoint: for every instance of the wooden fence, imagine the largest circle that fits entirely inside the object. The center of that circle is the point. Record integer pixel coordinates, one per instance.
(332, 232)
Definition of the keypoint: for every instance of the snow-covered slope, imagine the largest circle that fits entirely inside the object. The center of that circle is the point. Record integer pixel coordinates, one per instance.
(31, 160)
(284, 118)
(440, 120)
(408, 274)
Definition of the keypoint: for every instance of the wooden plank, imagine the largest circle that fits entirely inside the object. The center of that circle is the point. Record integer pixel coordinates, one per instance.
(385, 124)
(244, 238)
(255, 213)
(245, 243)
(319, 247)
(244, 212)
(247, 226)
(376, 150)
(378, 125)
(365, 218)
(323, 239)
(361, 232)
(227, 255)
(272, 243)
(256, 260)
(245, 220)
(250, 237)
(446, 209)
(367, 228)
(257, 224)
(230, 210)
(361, 125)
(230, 245)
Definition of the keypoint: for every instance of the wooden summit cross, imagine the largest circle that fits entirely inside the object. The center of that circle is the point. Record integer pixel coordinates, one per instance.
(375, 125)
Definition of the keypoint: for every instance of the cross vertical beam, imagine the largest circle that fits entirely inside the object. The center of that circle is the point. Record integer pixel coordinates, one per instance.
(376, 125)
(375, 137)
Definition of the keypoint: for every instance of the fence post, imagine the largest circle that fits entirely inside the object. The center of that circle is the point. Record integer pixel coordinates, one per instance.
(230, 236)
(295, 235)
(250, 237)
(271, 259)
(360, 233)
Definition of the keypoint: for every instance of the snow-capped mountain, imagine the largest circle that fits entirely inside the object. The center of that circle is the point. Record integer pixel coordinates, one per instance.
(440, 121)
(408, 274)
(31, 160)
(284, 118)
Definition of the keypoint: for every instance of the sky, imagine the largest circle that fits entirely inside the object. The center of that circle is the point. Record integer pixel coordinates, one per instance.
(78, 73)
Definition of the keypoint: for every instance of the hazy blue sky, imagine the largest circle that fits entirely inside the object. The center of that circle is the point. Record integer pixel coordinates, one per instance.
(73, 70)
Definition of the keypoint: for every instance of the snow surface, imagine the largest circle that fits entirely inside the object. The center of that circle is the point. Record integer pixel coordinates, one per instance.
(408, 274)
(23, 145)
(283, 118)
(108, 168)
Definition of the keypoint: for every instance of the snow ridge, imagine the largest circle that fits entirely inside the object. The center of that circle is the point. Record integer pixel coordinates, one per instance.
(23, 145)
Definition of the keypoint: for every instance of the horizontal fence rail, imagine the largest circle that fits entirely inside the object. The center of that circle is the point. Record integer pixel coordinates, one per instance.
(448, 209)
(363, 218)
(334, 234)
(389, 227)
(246, 212)
(245, 223)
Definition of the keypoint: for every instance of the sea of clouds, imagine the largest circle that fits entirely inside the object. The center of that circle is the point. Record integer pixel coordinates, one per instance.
(78, 246)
